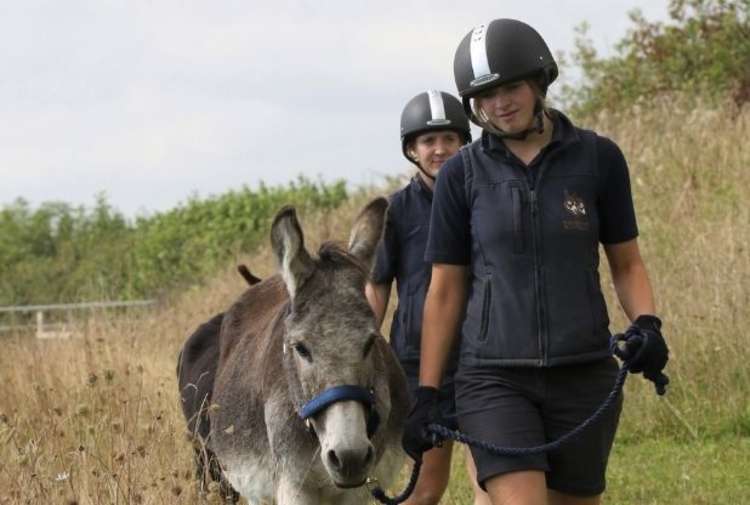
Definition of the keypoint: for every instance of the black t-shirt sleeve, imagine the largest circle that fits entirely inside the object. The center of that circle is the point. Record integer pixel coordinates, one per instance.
(617, 222)
(450, 234)
(387, 251)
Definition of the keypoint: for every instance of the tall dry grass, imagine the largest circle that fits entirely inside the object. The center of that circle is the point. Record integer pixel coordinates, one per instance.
(96, 420)
(690, 172)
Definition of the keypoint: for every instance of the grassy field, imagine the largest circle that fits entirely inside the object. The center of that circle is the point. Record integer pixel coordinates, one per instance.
(660, 471)
(96, 420)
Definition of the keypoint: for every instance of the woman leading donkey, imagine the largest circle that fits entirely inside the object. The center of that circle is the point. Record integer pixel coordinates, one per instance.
(517, 219)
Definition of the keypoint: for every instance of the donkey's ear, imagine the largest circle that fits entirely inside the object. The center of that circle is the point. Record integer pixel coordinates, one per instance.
(288, 244)
(367, 230)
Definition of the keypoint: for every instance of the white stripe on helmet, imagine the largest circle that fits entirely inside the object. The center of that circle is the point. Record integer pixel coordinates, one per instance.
(478, 52)
(437, 108)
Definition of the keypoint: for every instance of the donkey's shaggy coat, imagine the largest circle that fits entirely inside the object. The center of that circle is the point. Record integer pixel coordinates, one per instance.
(285, 341)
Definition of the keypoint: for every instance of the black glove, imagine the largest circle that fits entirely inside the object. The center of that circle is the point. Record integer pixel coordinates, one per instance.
(643, 349)
(417, 439)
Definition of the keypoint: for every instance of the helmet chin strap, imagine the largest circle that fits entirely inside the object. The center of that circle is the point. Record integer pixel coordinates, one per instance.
(419, 166)
(432, 178)
(536, 127)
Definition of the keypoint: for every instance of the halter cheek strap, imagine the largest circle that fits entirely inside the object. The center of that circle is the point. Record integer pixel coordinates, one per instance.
(344, 393)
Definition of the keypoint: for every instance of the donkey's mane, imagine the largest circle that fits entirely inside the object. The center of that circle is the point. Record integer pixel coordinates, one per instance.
(335, 254)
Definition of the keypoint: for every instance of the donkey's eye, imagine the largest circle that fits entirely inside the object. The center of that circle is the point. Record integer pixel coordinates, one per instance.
(303, 351)
(368, 345)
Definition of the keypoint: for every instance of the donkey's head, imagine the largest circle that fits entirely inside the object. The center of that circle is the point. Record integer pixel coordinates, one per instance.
(334, 369)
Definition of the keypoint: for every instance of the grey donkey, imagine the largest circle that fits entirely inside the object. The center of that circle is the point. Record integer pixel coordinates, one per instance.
(309, 400)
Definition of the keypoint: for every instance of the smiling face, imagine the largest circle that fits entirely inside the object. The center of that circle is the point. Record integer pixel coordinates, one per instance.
(509, 107)
(431, 149)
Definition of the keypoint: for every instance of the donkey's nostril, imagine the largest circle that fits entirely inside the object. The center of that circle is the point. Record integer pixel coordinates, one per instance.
(350, 463)
(334, 460)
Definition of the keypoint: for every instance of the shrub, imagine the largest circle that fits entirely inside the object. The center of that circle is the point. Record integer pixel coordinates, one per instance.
(703, 51)
(61, 253)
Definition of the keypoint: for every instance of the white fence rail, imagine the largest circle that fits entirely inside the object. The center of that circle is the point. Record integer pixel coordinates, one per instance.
(59, 330)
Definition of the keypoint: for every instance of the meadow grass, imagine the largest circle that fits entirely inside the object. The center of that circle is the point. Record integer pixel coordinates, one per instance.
(97, 420)
(658, 471)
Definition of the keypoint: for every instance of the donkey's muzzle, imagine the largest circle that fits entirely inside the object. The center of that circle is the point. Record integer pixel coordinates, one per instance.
(350, 465)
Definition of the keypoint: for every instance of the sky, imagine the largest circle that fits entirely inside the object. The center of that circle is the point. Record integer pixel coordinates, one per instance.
(152, 102)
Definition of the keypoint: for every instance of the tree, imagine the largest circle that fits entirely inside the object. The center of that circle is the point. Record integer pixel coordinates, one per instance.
(703, 51)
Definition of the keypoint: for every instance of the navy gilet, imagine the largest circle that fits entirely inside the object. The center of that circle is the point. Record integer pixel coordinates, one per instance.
(534, 298)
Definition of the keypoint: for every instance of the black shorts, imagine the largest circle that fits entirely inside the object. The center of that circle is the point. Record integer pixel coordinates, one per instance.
(526, 407)
(446, 395)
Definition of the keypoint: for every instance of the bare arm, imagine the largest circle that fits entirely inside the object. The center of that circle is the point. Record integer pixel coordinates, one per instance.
(378, 295)
(630, 278)
(443, 309)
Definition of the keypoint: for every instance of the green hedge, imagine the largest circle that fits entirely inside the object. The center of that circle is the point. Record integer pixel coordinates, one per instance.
(63, 253)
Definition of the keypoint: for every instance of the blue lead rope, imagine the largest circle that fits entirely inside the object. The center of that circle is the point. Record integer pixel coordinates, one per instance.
(441, 433)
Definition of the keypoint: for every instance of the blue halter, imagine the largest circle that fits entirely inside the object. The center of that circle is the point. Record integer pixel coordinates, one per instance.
(344, 393)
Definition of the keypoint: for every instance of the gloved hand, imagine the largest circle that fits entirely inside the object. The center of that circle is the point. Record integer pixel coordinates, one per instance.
(417, 439)
(643, 349)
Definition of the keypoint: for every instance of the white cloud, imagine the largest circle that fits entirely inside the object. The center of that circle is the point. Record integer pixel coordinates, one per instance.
(150, 101)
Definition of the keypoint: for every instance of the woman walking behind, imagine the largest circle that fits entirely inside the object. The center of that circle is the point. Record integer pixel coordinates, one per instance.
(433, 128)
(516, 224)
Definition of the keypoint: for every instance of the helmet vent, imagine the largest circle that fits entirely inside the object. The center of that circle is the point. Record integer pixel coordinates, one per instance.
(437, 108)
(478, 50)
(484, 79)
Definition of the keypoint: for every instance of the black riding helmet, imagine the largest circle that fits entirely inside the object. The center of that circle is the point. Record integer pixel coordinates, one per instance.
(500, 52)
(432, 110)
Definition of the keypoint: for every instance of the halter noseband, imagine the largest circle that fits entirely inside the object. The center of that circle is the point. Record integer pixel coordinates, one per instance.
(343, 393)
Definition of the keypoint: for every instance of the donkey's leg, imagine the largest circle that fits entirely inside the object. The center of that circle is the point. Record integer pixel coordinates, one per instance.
(226, 490)
(200, 470)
